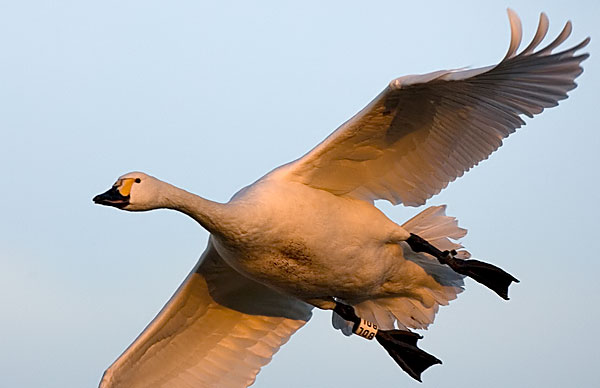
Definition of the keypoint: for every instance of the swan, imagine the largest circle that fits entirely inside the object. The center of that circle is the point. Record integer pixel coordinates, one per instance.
(307, 234)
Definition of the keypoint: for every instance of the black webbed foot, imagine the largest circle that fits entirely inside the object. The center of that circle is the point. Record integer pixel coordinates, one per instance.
(494, 278)
(489, 275)
(401, 345)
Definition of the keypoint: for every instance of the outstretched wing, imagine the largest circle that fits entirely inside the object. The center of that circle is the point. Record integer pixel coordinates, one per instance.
(424, 131)
(218, 330)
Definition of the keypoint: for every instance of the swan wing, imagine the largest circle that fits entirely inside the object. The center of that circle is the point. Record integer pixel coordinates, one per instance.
(218, 330)
(424, 131)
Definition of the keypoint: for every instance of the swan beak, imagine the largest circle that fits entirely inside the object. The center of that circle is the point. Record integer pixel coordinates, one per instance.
(112, 197)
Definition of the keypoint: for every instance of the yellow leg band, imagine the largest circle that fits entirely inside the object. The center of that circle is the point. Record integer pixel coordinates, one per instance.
(366, 329)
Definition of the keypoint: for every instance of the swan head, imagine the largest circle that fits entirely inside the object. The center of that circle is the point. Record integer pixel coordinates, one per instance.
(134, 191)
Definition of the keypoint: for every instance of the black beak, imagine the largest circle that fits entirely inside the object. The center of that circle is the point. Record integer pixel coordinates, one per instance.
(112, 198)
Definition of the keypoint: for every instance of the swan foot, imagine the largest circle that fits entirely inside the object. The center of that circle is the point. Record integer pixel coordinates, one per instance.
(401, 345)
(495, 278)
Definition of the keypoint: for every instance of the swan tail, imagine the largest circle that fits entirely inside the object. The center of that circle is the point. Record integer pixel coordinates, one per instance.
(418, 310)
(431, 231)
(442, 231)
(435, 226)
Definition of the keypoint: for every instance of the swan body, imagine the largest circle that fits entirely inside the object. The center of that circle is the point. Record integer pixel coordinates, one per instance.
(308, 235)
(279, 233)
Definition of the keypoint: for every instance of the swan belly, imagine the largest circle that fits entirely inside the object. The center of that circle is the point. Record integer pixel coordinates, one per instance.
(294, 268)
(315, 245)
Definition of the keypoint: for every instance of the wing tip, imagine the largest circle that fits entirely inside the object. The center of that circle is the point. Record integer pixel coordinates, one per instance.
(540, 34)
(516, 31)
(583, 44)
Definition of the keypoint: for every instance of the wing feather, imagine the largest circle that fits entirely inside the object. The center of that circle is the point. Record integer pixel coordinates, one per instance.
(424, 131)
(209, 334)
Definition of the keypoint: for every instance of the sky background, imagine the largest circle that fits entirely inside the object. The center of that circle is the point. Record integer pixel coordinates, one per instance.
(212, 95)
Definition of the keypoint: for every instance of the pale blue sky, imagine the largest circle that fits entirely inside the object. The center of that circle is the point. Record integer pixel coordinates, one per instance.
(212, 96)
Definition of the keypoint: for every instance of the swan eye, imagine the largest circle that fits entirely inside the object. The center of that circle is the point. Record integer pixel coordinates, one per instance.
(137, 180)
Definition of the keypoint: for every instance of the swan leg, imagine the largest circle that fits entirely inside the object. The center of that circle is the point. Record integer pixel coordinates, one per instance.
(489, 275)
(401, 345)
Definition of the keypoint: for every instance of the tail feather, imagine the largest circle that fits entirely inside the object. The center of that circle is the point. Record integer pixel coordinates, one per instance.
(418, 310)
(433, 225)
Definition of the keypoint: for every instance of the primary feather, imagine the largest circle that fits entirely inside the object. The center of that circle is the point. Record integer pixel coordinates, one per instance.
(424, 131)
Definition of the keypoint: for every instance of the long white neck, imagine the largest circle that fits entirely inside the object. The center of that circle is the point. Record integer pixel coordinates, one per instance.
(207, 213)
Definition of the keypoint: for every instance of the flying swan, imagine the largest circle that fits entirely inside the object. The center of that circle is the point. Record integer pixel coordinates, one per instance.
(307, 234)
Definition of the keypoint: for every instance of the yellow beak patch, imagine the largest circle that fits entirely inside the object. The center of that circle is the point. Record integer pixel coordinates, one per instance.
(124, 186)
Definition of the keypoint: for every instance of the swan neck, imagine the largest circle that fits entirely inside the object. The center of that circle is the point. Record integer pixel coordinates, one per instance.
(207, 213)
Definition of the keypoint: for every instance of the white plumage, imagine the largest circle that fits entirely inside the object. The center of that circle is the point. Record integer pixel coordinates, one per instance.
(197, 341)
(424, 131)
(307, 234)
